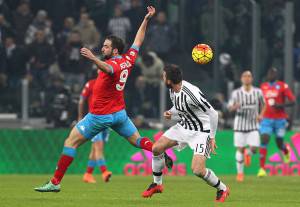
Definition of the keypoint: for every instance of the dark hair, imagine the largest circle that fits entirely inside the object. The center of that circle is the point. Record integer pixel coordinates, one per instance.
(173, 73)
(116, 43)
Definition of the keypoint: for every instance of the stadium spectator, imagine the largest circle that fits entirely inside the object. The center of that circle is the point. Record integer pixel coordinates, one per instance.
(16, 62)
(5, 10)
(72, 64)
(5, 29)
(62, 36)
(161, 36)
(3, 67)
(22, 18)
(135, 14)
(89, 35)
(297, 61)
(41, 56)
(40, 22)
(119, 25)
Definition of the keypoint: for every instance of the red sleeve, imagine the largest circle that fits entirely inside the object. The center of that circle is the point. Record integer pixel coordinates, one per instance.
(288, 93)
(113, 65)
(86, 91)
(132, 54)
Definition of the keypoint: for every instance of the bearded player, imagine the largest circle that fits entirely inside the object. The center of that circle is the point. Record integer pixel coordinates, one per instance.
(96, 157)
(274, 120)
(108, 105)
(197, 128)
(248, 104)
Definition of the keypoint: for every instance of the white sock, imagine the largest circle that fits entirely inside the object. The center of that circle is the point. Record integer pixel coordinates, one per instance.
(158, 163)
(239, 157)
(213, 180)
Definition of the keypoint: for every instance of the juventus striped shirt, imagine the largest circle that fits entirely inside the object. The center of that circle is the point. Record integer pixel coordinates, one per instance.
(250, 103)
(193, 109)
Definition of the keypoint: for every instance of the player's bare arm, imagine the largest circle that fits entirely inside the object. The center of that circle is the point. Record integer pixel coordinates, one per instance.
(168, 115)
(261, 114)
(213, 116)
(234, 107)
(103, 66)
(288, 104)
(81, 108)
(140, 35)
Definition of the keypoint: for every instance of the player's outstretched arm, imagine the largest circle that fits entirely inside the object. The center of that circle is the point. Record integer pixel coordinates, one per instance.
(103, 66)
(140, 35)
(81, 108)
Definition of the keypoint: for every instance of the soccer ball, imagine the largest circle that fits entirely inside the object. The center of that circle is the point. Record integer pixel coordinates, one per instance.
(202, 54)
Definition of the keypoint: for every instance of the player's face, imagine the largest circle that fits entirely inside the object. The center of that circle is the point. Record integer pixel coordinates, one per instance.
(246, 78)
(107, 49)
(272, 74)
(166, 81)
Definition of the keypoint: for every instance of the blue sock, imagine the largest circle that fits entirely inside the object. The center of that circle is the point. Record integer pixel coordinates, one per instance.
(69, 151)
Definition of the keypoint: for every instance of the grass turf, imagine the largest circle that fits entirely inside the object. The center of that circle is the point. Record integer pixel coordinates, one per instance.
(17, 191)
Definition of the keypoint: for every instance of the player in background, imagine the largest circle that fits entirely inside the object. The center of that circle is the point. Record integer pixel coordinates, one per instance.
(96, 157)
(246, 102)
(197, 128)
(108, 104)
(274, 118)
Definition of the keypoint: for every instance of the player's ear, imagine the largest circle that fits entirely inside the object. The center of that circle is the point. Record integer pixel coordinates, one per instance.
(115, 51)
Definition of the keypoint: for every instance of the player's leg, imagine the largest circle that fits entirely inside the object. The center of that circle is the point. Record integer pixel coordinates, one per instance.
(239, 143)
(88, 175)
(158, 163)
(86, 129)
(199, 169)
(99, 153)
(280, 128)
(125, 128)
(74, 140)
(266, 130)
(253, 141)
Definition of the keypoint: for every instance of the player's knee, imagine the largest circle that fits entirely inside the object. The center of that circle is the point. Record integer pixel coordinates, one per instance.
(199, 171)
(157, 149)
(279, 142)
(253, 150)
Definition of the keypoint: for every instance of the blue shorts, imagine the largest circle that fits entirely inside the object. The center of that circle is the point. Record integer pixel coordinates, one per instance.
(102, 136)
(270, 126)
(92, 124)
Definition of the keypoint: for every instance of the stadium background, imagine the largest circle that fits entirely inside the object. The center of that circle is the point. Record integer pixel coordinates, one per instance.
(42, 73)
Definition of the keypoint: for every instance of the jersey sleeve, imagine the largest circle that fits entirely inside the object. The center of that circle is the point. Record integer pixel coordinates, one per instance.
(86, 91)
(288, 92)
(132, 54)
(261, 97)
(233, 99)
(114, 66)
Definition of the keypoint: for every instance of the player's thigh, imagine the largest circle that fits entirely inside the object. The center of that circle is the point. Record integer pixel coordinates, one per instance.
(253, 139)
(199, 142)
(75, 139)
(199, 164)
(240, 139)
(266, 127)
(162, 145)
(125, 128)
(91, 125)
(280, 127)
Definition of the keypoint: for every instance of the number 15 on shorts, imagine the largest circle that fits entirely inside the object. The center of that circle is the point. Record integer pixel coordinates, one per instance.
(199, 148)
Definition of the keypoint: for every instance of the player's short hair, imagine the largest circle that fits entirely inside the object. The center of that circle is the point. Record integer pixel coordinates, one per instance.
(173, 73)
(116, 43)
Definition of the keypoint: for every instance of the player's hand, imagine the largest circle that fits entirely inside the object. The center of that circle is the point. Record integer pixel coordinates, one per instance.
(259, 118)
(213, 145)
(167, 115)
(87, 53)
(151, 12)
(235, 106)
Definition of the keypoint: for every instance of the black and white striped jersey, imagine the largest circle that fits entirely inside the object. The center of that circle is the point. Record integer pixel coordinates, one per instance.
(194, 110)
(250, 103)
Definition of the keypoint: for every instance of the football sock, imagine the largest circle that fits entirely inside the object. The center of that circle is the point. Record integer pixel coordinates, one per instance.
(263, 155)
(239, 157)
(102, 165)
(249, 152)
(158, 163)
(63, 163)
(212, 180)
(144, 143)
(281, 145)
(91, 166)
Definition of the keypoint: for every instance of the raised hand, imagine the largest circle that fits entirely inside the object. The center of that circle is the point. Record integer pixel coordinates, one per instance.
(151, 12)
(87, 53)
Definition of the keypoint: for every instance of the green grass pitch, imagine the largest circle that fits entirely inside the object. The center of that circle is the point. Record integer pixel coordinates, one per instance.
(189, 191)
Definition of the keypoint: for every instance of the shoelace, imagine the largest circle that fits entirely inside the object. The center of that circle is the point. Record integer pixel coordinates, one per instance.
(152, 185)
(219, 194)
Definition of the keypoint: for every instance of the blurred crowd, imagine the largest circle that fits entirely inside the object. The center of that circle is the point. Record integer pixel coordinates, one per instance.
(40, 41)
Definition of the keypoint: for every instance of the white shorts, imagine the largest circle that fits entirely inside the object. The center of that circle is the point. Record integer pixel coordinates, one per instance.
(243, 139)
(198, 141)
